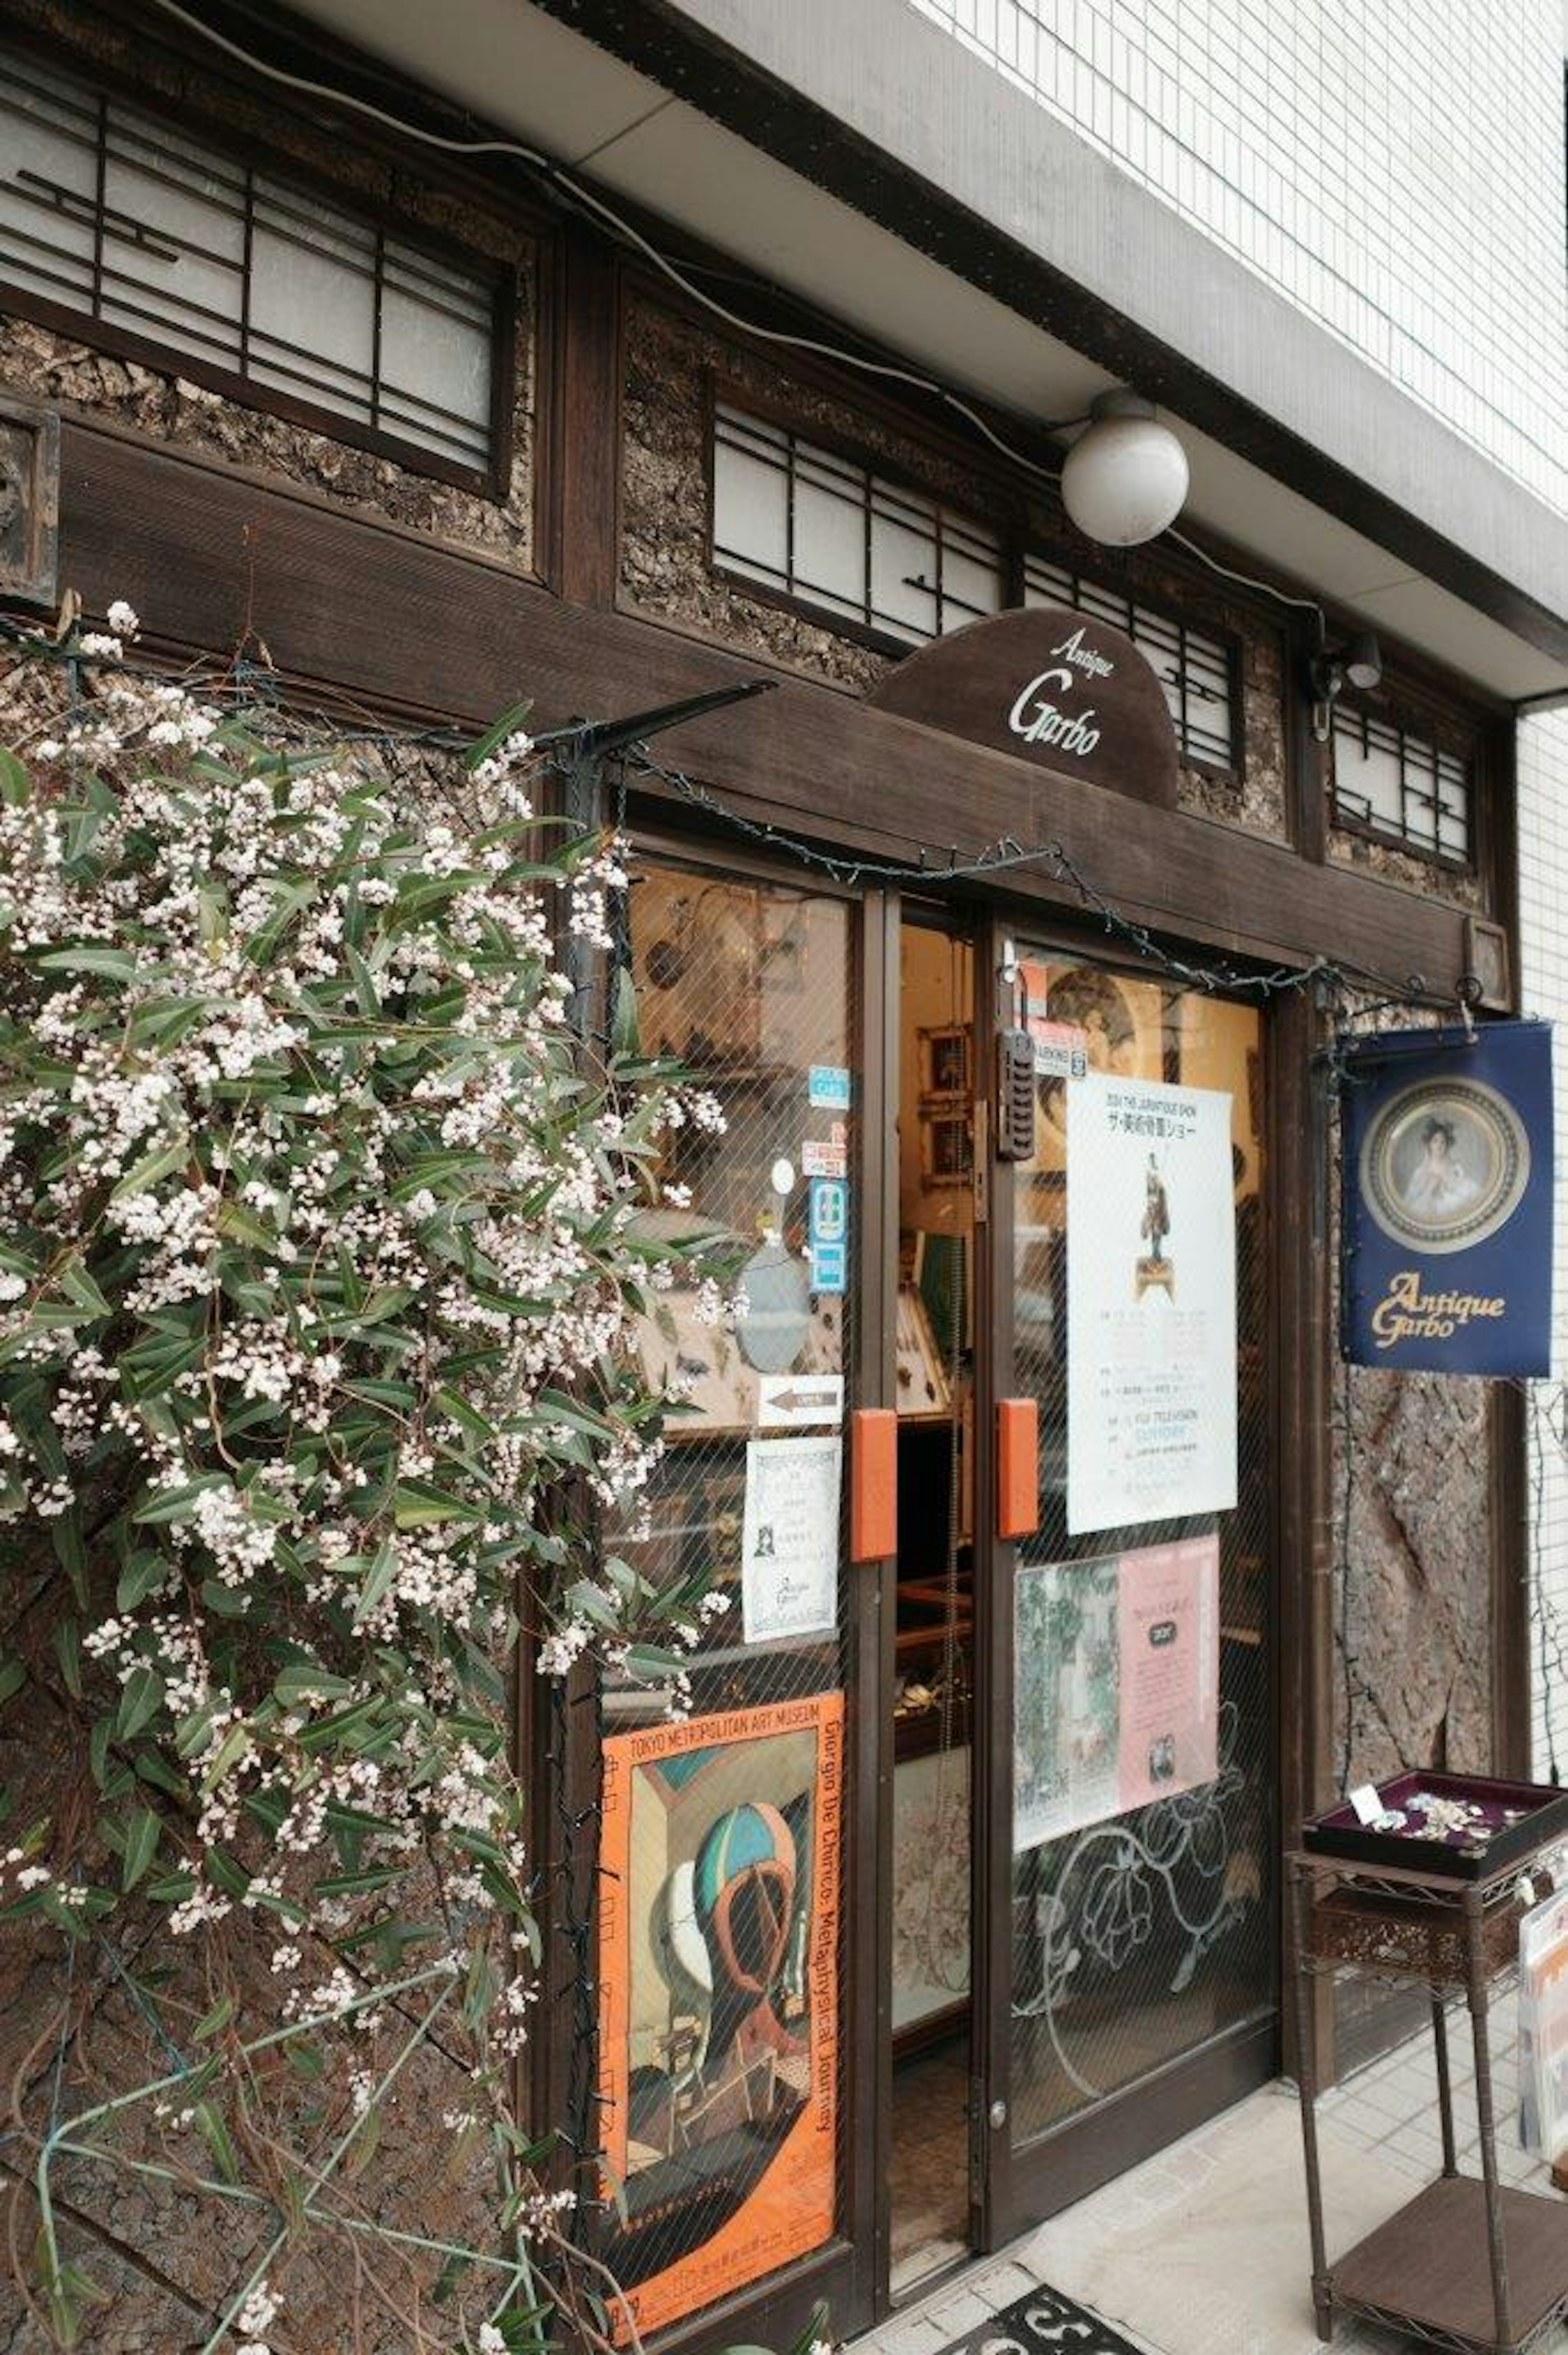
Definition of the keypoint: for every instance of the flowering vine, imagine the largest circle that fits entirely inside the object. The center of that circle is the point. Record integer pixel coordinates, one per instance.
(321, 1261)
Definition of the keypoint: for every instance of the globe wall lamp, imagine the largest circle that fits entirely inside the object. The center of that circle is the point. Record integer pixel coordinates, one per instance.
(1125, 477)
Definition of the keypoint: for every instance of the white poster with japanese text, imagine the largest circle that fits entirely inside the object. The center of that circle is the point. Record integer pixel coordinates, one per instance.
(790, 1540)
(1152, 1303)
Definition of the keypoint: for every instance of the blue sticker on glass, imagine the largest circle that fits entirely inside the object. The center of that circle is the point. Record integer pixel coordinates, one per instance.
(827, 1084)
(830, 1267)
(827, 1213)
(827, 1233)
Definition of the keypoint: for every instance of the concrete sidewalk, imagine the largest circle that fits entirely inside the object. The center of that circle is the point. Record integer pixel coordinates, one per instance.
(1204, 2250)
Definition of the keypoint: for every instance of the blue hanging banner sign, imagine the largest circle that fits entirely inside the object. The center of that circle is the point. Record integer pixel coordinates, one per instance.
(1446, 1194)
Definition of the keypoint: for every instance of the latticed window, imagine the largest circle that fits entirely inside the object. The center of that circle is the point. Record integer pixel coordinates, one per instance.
(1400, 786)
(828, 532)
(1194, 668)
(138, 236)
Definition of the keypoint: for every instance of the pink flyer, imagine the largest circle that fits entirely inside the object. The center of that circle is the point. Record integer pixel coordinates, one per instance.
(1168, 1642)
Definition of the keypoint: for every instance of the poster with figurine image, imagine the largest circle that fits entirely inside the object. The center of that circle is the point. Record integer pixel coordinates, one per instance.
(1152, 1303)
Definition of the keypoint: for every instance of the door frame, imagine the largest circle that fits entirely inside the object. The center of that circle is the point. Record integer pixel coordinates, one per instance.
(848, 2272)
(1015, 2188)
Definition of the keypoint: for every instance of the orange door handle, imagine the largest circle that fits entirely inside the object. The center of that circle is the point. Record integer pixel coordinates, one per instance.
(874, 1484)
(1017, 1466)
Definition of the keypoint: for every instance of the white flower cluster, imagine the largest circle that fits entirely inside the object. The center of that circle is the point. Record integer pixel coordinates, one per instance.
(320, 1262)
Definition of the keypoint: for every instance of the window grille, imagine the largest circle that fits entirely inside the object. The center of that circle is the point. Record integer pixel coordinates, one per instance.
(837, 535)
(286, 298)
(1194, 669)
(1400, 786)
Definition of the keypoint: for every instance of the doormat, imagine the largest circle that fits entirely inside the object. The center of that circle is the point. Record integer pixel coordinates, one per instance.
(1044, 2323)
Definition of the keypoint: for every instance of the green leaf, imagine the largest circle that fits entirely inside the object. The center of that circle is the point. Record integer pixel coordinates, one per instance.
(231, 1750)
(13, 1676)
(141, 1836)
(624, 1033)
(498, 730)
(214, 2022)
(15, 785)
(354, 1884)
(68, 1651)
(305, 1680)
(146, 1173)
(420, 1504)
(77, 1284)
(215, 2133)
(142, 1572)
(141, 1698)
(113, 965)
(378, 1580)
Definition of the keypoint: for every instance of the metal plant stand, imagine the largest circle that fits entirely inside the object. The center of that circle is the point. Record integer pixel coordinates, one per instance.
(1468, 2264)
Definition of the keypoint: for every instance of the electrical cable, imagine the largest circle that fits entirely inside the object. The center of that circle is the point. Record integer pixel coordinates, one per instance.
(557, 177)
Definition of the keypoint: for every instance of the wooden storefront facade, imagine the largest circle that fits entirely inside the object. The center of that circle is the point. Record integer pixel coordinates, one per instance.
(410, 607)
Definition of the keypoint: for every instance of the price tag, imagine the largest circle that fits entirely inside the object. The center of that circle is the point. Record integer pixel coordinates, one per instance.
(1367, 1804)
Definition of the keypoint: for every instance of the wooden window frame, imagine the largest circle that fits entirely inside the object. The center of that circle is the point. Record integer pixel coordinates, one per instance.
(1016, 544)
(1229, 641)
(720, 388)
(105, 83)
(1452, 733)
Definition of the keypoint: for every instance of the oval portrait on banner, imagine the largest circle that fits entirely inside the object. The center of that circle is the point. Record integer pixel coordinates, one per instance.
(1445, 1163)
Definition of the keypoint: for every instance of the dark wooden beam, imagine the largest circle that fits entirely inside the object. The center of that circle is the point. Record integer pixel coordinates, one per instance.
(581, 436)
(347, 602)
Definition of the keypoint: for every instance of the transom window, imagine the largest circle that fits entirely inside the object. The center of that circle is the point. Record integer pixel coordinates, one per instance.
(168, 244)
(830, 533)
(1400, 786)
(1194, 669)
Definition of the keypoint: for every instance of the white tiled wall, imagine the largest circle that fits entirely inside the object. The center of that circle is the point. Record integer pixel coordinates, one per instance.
(1542, 761)
(1396, 167)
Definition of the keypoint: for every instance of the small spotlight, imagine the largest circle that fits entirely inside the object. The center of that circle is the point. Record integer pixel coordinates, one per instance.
(1358, 664)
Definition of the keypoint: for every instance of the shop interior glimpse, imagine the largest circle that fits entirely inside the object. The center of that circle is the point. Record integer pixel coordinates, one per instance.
(934, 1639)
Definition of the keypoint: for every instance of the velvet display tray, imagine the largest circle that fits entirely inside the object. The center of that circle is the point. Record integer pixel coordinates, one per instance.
(1491, 1845)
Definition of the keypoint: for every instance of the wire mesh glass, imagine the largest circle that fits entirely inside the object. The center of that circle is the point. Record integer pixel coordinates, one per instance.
(1136, 1935)
(721, 1910)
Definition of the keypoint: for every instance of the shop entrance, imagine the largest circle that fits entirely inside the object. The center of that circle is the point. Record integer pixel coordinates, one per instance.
(946, 1891)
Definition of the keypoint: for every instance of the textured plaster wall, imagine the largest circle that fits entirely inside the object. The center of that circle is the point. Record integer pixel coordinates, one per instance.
(665, 568)
(48, 365)
(1414, 1623)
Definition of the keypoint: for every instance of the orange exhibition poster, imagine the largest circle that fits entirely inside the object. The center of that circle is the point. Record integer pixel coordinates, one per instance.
(718, 1998)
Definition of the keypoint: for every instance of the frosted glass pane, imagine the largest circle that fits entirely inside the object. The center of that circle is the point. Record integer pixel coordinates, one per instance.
(311, 286)
(1044, 585)
(830, 546)
(175, 238)
(43, 136)
(1376, 777)
(900, 558)
(429, 359)
(751, 510)
(969, 586)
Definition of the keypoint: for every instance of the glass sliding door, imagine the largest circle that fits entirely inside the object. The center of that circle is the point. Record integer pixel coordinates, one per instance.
(722, 1940)
(1133, 1912)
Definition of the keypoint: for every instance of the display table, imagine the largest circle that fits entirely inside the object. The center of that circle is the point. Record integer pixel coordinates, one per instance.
(1467, 2264)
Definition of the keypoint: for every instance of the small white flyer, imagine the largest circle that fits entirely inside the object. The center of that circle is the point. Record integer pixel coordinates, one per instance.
(790, 1541)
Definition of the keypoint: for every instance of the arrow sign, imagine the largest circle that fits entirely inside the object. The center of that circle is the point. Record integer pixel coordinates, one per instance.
(787, 1401)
